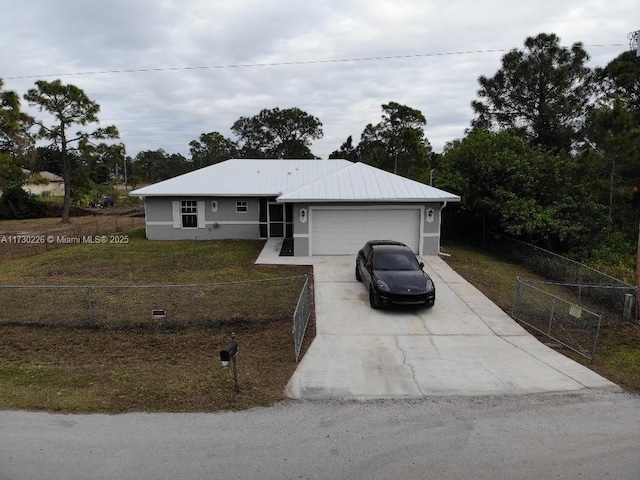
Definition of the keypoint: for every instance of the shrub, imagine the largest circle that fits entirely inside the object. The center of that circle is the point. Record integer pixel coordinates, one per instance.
(16, 204)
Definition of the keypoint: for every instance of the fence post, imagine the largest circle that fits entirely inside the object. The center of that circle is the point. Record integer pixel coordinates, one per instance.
(90, 304)
(595, 342)
(551, 313)
(629, 308)
(192, 313)
(580, 289)
(516, 300)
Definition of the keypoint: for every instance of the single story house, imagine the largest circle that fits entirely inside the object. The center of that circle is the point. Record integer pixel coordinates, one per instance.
(43, 183)
(328, 207)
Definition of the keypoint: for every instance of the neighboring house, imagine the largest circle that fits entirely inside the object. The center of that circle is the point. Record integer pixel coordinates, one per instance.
(328, 207)
(39, 183)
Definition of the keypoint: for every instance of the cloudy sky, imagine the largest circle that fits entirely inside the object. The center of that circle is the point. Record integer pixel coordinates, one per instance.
(170, 70)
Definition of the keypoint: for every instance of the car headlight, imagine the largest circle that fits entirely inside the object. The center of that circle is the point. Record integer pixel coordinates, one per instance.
(383, 287)
(430, 286)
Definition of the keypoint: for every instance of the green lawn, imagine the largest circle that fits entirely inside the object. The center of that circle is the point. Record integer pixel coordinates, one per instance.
(142, 262)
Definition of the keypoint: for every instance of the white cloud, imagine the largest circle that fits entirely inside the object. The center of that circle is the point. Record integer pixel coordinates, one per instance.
(169, 108)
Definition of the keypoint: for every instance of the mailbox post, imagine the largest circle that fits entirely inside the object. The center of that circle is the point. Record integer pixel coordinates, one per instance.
(230, 354)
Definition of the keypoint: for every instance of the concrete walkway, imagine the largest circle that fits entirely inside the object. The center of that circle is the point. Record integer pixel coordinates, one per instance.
(464, 346)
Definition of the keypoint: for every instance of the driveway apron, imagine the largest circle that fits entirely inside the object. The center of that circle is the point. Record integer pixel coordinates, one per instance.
(463, 346)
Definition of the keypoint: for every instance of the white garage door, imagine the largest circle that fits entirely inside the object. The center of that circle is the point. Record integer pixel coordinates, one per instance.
(345, 231)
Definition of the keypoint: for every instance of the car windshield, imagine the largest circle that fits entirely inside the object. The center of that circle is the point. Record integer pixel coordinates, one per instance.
(395, 261)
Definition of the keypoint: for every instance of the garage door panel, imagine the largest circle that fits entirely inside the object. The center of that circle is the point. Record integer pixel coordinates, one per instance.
(345, 231)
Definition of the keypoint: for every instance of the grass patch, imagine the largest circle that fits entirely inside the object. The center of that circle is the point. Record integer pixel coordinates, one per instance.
(69, 370)
(618, 355)
(133, 364)
(143, 262)
(492, 276)
(226, 285)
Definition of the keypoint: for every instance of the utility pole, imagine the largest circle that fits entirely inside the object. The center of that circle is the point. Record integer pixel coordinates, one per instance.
(638, 277)
(634, 42)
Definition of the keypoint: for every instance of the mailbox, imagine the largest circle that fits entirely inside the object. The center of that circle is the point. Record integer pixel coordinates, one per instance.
(228, 353)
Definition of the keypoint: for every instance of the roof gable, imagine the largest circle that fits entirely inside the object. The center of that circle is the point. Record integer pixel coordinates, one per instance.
(361, 182)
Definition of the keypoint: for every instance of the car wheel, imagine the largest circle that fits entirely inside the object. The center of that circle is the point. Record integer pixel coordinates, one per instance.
(373, 299)
(358, 276)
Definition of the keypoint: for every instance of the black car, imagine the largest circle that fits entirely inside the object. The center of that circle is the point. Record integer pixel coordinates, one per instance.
(393, 275)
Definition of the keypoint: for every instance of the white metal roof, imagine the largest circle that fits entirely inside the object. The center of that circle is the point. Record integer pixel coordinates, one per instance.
(52, 177)
(359, 182)
(245, 177)
(297, 180)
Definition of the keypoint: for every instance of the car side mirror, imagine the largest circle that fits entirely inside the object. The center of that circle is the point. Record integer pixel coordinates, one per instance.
(421, 265)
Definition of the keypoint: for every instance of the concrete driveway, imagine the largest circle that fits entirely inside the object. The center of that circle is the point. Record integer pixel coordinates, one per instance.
(465, 345)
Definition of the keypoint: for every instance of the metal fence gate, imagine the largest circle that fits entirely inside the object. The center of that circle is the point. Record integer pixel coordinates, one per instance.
(567, 323)
(574, 281)
(301, 317)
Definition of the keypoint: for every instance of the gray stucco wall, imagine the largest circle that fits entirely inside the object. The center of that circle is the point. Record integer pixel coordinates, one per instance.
(223, 223)
(300, 230)
(431, 231)
(218, 219)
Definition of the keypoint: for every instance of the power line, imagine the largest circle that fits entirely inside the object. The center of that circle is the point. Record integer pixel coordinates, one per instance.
(253, 65)
(277, 64)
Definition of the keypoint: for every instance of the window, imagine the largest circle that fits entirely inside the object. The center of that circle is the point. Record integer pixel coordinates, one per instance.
(189, 211)
(241, 206)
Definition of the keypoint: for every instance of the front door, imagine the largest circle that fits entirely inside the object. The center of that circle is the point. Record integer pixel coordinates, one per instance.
(276, 220)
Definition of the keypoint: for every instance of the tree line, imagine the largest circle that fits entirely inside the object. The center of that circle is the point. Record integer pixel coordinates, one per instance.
(551, 155)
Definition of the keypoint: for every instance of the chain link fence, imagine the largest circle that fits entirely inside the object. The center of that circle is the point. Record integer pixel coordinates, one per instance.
(571, 302)
(301, 316)
(125, 306)
(565, 322)
(580, 284)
